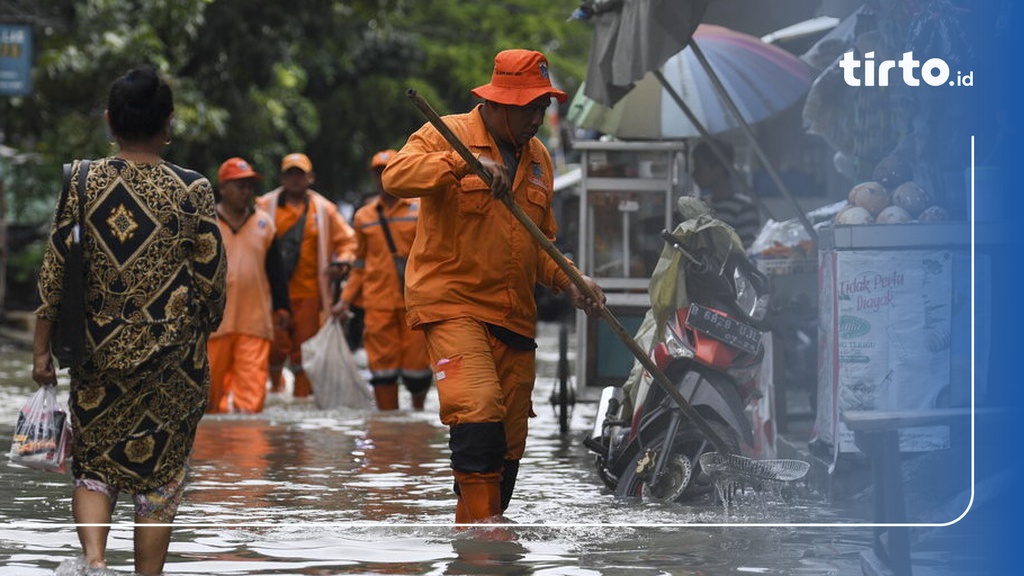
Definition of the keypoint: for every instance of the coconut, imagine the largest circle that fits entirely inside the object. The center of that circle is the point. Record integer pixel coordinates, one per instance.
(854, 215)
(892, 171)
(871, 196)
(911, 197)
(933, 214)
(893, 215)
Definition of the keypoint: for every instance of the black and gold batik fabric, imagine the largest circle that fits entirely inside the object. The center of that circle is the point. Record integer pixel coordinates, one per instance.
(155, 290)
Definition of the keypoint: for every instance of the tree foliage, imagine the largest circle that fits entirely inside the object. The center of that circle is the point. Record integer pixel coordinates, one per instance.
(261, 79)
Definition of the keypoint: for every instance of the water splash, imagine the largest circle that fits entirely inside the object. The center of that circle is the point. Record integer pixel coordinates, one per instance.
(77, 567)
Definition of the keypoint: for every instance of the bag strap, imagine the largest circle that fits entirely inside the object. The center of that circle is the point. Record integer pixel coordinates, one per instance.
(399, 266)
(289, 243)
(387, 231)
(65, 189)
(299, 228)
(83, 173)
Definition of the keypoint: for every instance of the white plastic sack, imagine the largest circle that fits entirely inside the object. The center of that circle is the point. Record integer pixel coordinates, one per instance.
(332, 371)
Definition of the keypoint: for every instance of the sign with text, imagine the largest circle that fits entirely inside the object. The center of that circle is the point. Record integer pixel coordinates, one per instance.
(15, 59)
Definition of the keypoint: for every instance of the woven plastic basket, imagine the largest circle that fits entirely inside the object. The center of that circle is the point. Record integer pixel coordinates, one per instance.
(733, 466)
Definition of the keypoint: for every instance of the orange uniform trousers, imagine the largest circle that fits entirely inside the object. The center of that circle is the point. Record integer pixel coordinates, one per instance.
(480, 379)
(288, 345)
(392, 347)
(238, 373)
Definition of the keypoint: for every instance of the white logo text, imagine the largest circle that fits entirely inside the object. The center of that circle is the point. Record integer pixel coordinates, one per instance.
(934, 71)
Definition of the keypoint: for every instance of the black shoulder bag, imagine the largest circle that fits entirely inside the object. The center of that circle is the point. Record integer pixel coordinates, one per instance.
(399, 260)
(67, 340)
(289, 244)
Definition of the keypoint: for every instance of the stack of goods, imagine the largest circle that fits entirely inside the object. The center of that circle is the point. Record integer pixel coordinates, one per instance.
(891, 198)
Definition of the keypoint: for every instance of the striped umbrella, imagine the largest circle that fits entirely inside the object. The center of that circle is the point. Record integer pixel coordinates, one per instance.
(762, 80)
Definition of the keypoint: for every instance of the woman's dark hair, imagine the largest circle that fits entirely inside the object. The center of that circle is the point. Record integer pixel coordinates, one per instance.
(139, 104)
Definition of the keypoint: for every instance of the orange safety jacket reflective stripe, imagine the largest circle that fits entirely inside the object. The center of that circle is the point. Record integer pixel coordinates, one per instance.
(471, 257)
(373, 282)
(326, 237)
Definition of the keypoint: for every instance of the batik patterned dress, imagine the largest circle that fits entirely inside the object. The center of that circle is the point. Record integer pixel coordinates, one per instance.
(155, 290)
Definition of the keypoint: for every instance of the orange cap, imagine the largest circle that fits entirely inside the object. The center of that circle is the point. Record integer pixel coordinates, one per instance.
(380, 159)
(519, 77)
(235, 169)
(296, 160)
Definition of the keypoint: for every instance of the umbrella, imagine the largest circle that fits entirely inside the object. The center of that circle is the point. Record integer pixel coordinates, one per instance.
(802, 29)
(762, 79)
(632, 37)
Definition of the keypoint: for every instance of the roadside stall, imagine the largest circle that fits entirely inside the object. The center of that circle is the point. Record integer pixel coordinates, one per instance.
(895, 263)
(626, 198)
(894, 326)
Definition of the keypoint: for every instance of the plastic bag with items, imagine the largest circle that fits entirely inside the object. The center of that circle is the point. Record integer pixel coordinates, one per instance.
(42, 435)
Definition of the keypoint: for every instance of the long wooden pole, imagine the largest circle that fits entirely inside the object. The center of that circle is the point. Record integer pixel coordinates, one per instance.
(577, 279)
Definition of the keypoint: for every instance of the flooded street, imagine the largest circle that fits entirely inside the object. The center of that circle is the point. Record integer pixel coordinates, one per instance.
(296, 490)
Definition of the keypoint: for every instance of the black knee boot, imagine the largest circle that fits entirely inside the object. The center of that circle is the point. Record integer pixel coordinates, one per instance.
(508, 482)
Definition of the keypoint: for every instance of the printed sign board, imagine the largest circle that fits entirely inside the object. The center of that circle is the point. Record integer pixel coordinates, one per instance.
(15, 59)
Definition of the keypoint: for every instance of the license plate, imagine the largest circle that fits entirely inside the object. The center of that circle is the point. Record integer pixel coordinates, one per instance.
(721, 327)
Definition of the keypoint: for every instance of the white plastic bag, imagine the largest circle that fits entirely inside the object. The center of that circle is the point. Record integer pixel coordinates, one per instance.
(42, 434)
(332, 371)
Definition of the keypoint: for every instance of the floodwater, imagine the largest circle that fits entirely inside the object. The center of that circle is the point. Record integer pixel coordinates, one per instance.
(296, 490)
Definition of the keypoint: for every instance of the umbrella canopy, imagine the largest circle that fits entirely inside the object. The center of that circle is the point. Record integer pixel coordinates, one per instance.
(809, 27)
(762, 79)
(632, 37)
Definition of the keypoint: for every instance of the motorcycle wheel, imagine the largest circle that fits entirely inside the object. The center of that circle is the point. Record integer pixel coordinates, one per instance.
(681, 476)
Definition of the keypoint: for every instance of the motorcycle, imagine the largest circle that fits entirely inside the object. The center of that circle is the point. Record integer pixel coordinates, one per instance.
(645, 446)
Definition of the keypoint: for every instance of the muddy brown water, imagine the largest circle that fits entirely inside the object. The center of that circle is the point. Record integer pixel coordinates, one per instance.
(296, 490)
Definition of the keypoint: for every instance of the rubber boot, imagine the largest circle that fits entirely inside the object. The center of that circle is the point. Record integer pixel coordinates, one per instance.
(386, 396)
(461, 511)
(277, 383)
(419, 400)
(479, 497)
(303, 387)
(508, 482)
(418, 387)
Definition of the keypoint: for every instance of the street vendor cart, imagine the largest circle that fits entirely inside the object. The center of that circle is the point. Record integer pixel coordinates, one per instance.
(626, 198)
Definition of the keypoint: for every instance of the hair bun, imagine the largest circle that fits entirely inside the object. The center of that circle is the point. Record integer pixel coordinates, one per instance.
(141, 86)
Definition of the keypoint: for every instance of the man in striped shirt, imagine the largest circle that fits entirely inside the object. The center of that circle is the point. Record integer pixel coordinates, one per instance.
(713, 178)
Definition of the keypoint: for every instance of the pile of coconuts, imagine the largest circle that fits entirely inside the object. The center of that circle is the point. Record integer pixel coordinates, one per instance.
(890, 197)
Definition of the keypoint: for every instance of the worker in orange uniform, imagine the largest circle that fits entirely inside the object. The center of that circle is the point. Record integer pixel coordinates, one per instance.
(385, 227)
(257, 295)
(317, 246)
(472, 271)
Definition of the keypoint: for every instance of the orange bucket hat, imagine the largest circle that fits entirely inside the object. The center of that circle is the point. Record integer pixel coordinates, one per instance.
(380, 159)
(519, 77)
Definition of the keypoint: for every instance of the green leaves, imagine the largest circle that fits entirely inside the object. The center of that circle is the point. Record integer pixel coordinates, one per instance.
(260, 79)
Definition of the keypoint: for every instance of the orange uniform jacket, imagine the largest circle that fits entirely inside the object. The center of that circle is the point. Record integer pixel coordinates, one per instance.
(374, 279)
(471, 257)
(247, 310)
(326, 237)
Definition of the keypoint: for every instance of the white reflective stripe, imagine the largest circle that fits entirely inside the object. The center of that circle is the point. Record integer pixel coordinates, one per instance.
(384, 373)
(416, 373)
